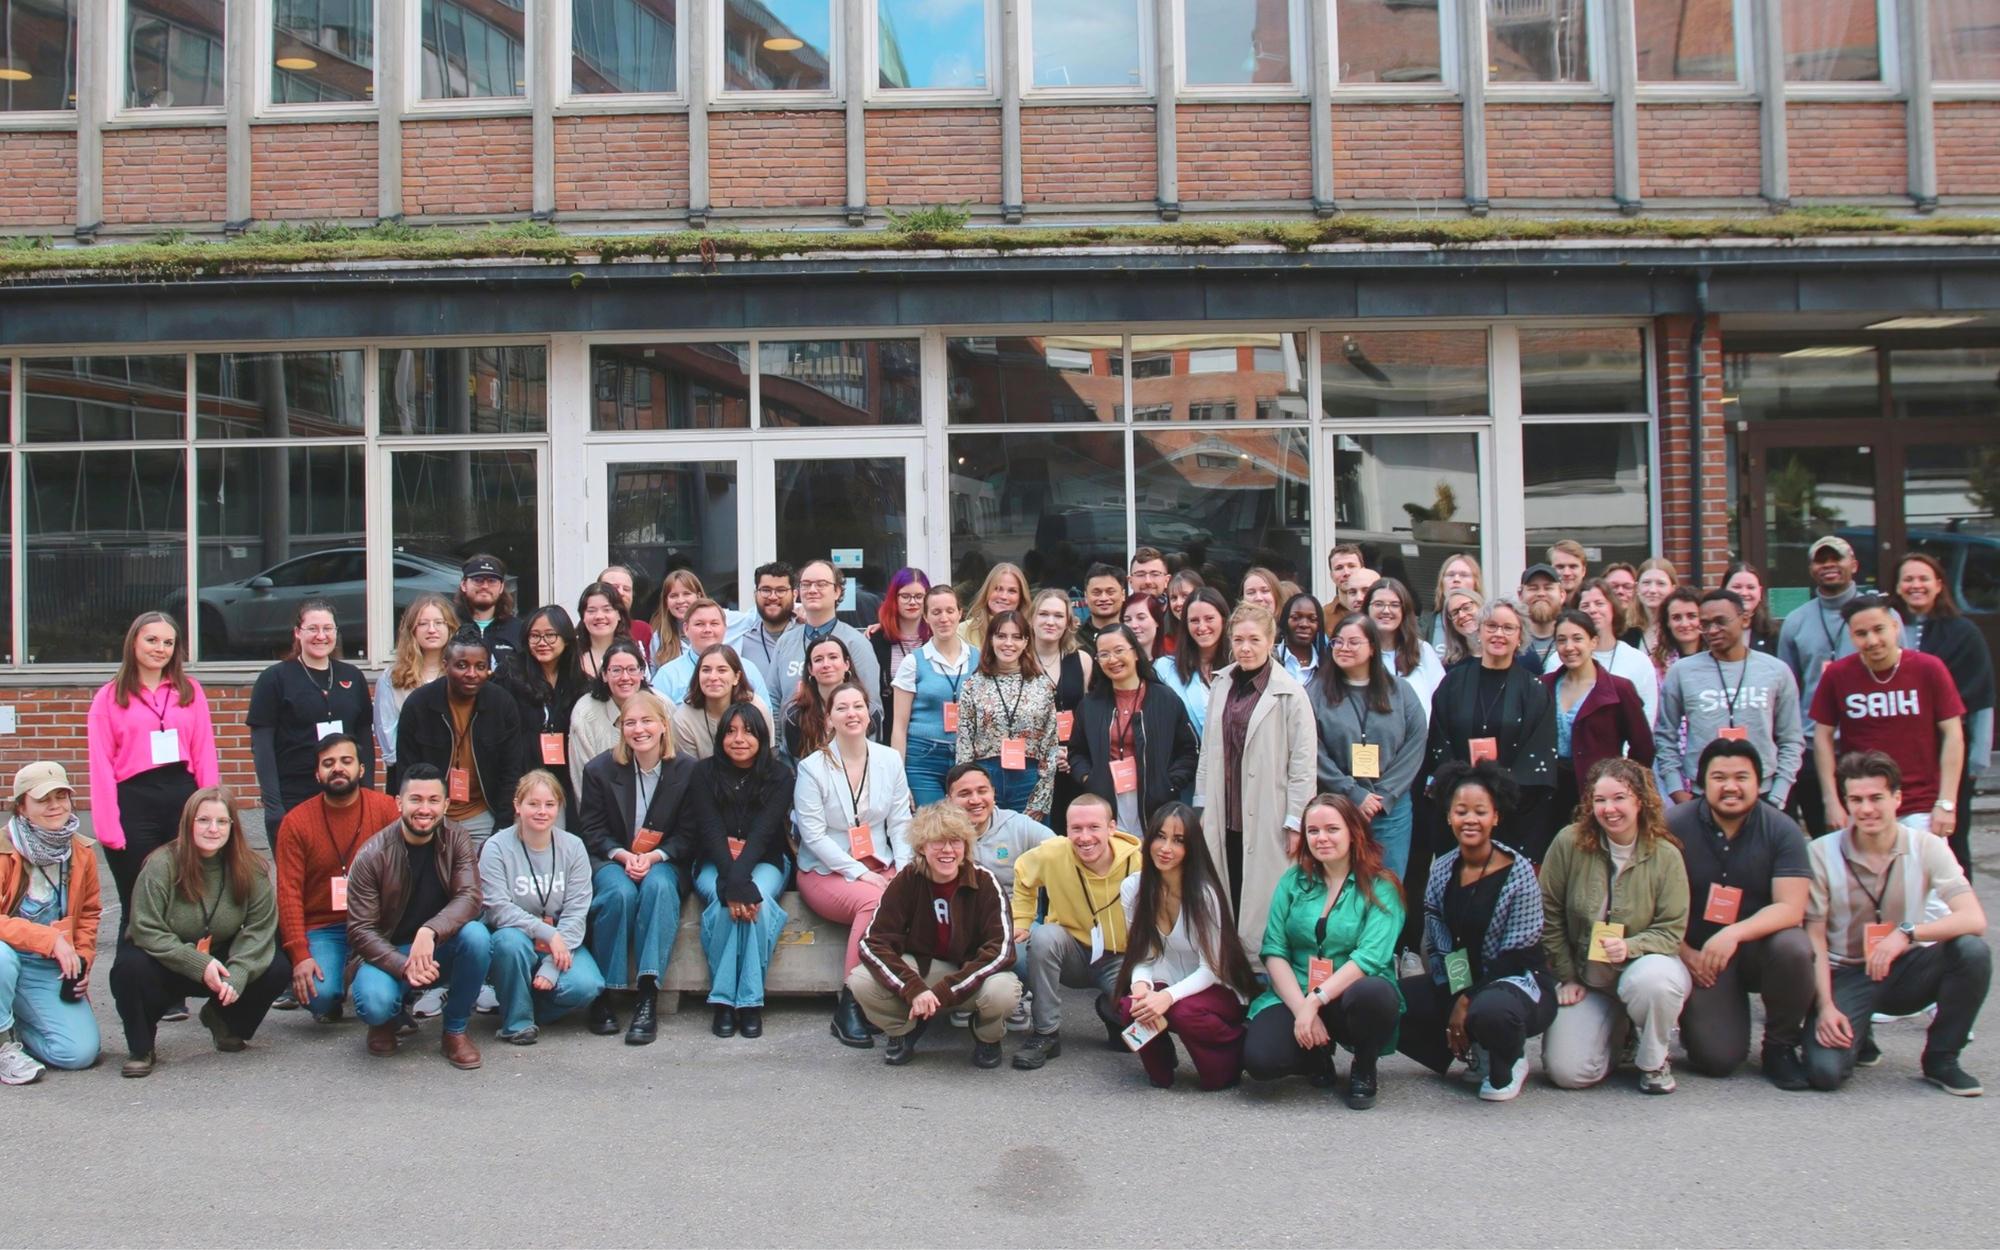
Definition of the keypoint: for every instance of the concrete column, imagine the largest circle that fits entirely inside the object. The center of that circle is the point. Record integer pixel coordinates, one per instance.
(93, 98)
(1472, 89)
(542, 104)
(1319, 26)
(696, 18)
(1166, 135)
(391, 19)
(1624, 84)
(1011, 207)
(1768, 56)
(239, 76)
(854, 62)
(1915, 16)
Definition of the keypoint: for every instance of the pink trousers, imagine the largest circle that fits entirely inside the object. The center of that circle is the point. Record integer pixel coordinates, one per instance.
(853, 903)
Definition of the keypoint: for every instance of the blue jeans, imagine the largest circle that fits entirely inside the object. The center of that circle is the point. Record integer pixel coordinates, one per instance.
(633, 922)
(462, 963)
(521, 1004)
(329, 951)
(1391, 831)
(739, 951)
(925, 763)
(60, 1034)
(1011, 789)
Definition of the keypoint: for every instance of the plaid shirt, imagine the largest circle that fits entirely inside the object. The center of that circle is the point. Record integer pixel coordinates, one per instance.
(1517, 916)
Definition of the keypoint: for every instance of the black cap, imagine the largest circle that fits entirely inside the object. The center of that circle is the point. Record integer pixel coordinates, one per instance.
(1539, 570)
(483, 566)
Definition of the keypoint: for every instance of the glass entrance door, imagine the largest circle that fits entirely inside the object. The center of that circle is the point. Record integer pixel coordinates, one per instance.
(858, 502)
(657, 513)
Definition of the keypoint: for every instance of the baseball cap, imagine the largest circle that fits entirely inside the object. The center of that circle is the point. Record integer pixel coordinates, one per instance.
(40, 779)
(1538, 570)
(483, 566)
(1841, 547)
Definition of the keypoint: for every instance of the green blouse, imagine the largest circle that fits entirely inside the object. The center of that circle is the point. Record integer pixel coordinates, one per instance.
(1358, 930)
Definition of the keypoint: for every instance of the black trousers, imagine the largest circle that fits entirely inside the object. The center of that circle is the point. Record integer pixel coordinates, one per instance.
(1363, 1019)
(143, 988)
(1715, 1022)
(1500, 1017)
(1953, 974)
(1961, 841)
(149, 810)
(1806, 804)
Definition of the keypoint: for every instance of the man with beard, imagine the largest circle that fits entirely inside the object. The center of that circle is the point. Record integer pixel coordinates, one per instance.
(819, 606)
(1542, 594)
(777, 595)
(316, 845)
(485, 603)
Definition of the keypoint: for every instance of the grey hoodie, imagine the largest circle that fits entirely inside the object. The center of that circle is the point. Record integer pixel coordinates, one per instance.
(1767, 707)
(511, 882)
(1814, 636)
(791, 663)
(1008, 836)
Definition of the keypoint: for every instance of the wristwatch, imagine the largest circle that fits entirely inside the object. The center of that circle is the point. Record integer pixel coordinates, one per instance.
(1909, 932)
(1946, 805)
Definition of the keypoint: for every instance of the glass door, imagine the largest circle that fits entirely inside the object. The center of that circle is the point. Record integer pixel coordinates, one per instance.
(1411, 498)
(856, 501)
(656, 513)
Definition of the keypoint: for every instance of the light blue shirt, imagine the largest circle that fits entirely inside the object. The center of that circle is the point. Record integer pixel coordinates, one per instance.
(675, 676)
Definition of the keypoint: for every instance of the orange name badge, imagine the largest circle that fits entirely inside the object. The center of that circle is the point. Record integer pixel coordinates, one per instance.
(336, 889)
(860, 842)
(1733, 733)
(951, 716)
(1065, 721)
(461, 786)
(1014, 754)
(553, 751)
(1873, 935)
(1125, 775)
(203, 944)
(645, 842)
(1725, 904)
(736, 846)
(542, 944)
(1482, 749)
(1318, 970)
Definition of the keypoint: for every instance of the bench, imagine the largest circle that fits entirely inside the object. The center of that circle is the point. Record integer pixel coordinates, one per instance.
(809, 958)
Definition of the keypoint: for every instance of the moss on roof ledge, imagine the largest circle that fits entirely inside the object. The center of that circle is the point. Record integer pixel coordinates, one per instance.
(177, 256)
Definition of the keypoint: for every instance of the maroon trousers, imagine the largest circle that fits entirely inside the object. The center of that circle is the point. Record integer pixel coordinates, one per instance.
(1210, 1025)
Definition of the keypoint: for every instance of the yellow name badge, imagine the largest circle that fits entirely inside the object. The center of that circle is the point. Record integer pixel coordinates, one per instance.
(1364, 761)
(1598, 932)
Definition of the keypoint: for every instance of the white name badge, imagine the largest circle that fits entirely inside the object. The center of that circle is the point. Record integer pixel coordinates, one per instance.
(1096, 942)
(166, 746)
(326, 727)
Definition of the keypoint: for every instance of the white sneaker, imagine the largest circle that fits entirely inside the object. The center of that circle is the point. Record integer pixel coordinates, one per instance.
(1019, 1021)
(1512, 1089)
(1410, 965)
(489, 1002)
(1476, 1064)
(1882, 1018)
(17, 1066)
(430, 1003)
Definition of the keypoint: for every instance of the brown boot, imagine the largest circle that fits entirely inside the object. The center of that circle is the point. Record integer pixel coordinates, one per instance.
(382, 1039)
(459, 1049)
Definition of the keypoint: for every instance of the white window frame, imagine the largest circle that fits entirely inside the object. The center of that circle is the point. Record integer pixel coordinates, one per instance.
(1888, 51)
(262, 76)
(1449, 62)
(562, 18)
(116, 57)
(1300, 42)
(1739, 88)
(721, 98)
(50, 119)
(414, 103)
(1597, 50)
(1959, 88)
(1148, 54)
(875, 93)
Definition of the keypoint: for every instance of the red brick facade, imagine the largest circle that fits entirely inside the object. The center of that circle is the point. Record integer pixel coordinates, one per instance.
(1410, 152)
(314, 172)
(51, 727)
(468, 165)
(1678, 512)
(40, 189)
(1848, 149)
(777, 160)
(1968, 147)
(621, 163)
(1244, 151)
(1548, 151)
(1699, 151)
(171, 177)
(933, 156)
(1089, 155)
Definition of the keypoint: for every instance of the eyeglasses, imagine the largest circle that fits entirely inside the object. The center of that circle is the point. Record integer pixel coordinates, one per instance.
(815, 584)
(544, 636)
(1349, 644)
(622, 671)
(1496, 627)
(915, 598)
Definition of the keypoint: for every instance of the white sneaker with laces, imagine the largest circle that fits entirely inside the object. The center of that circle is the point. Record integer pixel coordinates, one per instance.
(430, 1003)
(489, 1002)
(17, 1066)
(1517, 1079)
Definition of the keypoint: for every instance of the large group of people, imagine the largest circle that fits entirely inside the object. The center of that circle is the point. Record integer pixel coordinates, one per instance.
(1259, 827)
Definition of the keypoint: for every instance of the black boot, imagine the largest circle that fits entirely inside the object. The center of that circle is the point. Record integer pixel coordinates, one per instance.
(750, 1021)
(724, 1024)
(849, 1025)
(603, 1020)
(1361, 1083)
(645, 1024)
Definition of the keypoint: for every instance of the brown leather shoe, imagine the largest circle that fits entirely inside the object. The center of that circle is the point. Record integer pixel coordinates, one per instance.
(382, 1039)
(459, 1049)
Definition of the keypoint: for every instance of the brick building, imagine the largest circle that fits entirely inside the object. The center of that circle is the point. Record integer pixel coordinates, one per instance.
(238, 440)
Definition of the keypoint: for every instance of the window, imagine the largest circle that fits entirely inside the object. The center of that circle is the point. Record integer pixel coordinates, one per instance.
(472, 49)
(1583, 371)
(6, 549)
(37, 55)
(1410, 500)
(670, 386)
(670, 515)
(1590, 482)
(1053, 503)
(1402, 373)
(777, 45)
(1219, 377)
(1822, 383)
(1836, 41)
(1946, 382)
(1088, 43)
(1965, 41)
(1538, 41)
(279, 395)
(1016, 381)
(94, 399)
(173, 54)
(932, 45)
(624, 46)
(1221, 501)
(323, 52)
(1237, 43)
(1686, 40)
(1388, 42)
(465, 390)
(840, 382)
(106, 539)
(446, 505)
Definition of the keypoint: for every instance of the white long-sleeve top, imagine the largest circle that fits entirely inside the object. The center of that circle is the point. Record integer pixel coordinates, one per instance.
(1180, 968)
(823, 810)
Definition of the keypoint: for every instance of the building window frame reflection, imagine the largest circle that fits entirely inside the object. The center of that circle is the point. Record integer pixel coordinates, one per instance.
(266, 73)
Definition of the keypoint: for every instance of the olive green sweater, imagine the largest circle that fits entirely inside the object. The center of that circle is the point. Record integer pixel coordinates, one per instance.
(244, 936)
(1651, 901)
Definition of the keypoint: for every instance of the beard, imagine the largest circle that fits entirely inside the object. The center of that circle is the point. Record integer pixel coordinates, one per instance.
(1541, 611)
(340, 785)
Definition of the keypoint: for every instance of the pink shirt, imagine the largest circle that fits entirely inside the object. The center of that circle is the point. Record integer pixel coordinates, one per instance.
(121, 747)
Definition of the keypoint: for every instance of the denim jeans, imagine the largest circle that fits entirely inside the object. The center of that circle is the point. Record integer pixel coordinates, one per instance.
(462, 963)
(329, 951)
(1012, 788)
(60, 1034)
(513, 975)
(1391, 831)
(738, 950)
(633, 922)
(925, 763)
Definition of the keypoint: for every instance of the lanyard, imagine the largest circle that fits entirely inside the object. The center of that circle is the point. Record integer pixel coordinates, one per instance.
(1875, 897)
(1360, 696)
(208, 914)
(854, 793)
(326, 691)
(1319, 931)
(1723, 682)
(1095, 911)
(326, 817)
(1832, 644)
(535, 881)
(1125, 719)
(1000, 697)
(1494, 704)
(645, 794)
(60, 884)
(159, 710)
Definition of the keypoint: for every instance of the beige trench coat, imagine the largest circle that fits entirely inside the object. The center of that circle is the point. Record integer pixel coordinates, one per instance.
(1279, 774)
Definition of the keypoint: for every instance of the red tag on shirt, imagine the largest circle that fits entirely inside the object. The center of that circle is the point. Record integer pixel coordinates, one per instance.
(1733, 733)
(336, 888)
(860, 842)
(1483, 749)
(1873, 937)
(553, 751)
(542, 944)
(951, 717)
(645, 842)
(461, 786)
(1065, 722)
(1725, 903)
(1014, 754)
(1125, 776)
(202, 945)
(1317, 970)
(736, 846)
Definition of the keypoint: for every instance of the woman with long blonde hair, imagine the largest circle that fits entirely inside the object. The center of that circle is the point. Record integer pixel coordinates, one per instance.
(427, 624)
(1459, 572)
(678, 592)
(1004, 590)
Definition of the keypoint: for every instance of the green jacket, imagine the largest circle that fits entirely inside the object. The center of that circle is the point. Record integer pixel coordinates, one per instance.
(244, 936)
(1651, 901)
(1358, 930)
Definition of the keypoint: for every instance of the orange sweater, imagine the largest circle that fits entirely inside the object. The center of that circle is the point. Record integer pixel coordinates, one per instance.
(315, 844)
(86, 903)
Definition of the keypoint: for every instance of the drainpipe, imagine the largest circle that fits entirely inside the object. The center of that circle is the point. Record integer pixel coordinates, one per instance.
(1696, 373)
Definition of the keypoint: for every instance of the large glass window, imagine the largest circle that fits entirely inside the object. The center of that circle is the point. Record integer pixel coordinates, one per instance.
(1959, 382)
(1221, 501)
(1024, 380)
(90, 399)
(1811, 491)
(1088, 43)
(1402, 373)
(937, 45)
(666, 515)
(106, 539)
(855, 505)
(777, 45)
(173, 54)
(1950, 494)
(1583, 371)
(1686, 40)
(623, 46)
(446, 505)
(1542, 41)
(1388, 41)
(1235, 43)
(1411, 500)
(1589, 482)
(670, 386)
(1218, 377)
(323, 51)
(1965, 41)
(817, 382)
(274, 527)
(279, 395)
(1832, 41)
(473, 49)
(1053, 503)
(1810, 382)
(37, 55)
(6, 550)
(465, 390)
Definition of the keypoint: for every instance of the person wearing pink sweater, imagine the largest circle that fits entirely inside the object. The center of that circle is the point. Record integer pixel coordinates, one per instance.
(152, 745)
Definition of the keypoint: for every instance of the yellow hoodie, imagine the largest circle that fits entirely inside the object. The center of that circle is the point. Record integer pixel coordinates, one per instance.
(1077, 896)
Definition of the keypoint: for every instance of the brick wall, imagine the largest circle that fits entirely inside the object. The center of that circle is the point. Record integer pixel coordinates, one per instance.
(40, 187)
(1848, 149)
(1677, 467)
(1700, 150)
(628, 163)
(1244, 151)
(468, 165)
(51, 727)
(933, 156)
(1398, 152)
(1089, 156)
(314, 172)
(777, 160)
(165, 176)
(1968, 147)
(1544, 151)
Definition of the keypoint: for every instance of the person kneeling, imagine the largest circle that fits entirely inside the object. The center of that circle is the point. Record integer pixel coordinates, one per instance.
(939, 939)
(413, 920)
(1330, 950)
(535, 880)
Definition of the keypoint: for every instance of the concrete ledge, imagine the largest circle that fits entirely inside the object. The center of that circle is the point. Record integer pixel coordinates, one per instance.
(809, 958)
